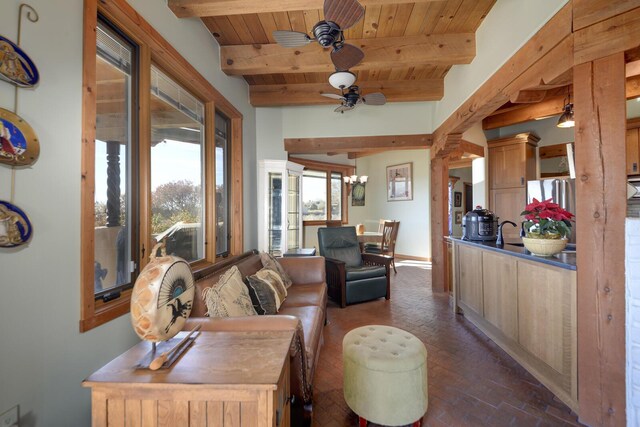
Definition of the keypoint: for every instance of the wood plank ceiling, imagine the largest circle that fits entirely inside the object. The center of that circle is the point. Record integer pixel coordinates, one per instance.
(409, 46)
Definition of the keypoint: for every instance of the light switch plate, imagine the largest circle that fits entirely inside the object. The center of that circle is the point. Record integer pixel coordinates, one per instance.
(10, 418)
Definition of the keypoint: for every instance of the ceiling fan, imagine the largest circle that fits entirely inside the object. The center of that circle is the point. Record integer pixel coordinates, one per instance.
(352, 98)
(338, 16)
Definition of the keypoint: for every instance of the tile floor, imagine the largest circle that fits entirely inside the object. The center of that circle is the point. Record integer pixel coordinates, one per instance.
(472, 382)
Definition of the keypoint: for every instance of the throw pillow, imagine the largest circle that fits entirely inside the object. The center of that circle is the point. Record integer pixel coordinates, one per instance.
(262, 295)
(268, 261)
(229, 297)
(275, 281)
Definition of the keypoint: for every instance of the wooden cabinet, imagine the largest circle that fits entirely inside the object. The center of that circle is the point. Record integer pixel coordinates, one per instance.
(500, 296)
(507, 204)
(633, 151)
(280, 206)
(469, 262)
(216, 383)
(546, 297)
(512, 162)
(526, 307)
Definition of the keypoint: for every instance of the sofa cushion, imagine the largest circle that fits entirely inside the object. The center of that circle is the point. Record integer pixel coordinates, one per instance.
(275, 281)
(262, 295)
(312, 320)
(268, 261)
(314, 294)
(365, 272)
(229, 297)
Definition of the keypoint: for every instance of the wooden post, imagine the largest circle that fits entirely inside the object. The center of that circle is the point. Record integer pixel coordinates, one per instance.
(439, 217)
(599, 88)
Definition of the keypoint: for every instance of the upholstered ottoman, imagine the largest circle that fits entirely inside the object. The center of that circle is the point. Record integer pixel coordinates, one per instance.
(385, 375)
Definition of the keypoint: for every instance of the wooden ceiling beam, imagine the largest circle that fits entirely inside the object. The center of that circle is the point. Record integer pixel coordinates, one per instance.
(388, 52)
(310, 93)
(201, 8)
(528, 96)
(547, 108)
(356, 144)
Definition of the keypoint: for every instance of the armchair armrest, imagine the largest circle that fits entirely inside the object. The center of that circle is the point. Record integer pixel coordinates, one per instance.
(304, 270)
(336, 280)
(375, 259)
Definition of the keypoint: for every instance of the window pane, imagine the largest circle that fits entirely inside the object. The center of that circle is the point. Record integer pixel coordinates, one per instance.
(222, 187)
(112, 238)
(336, 195)
(314, 196)
(177, 158)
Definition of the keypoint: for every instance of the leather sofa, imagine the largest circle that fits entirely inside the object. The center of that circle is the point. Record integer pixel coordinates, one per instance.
(304, 310)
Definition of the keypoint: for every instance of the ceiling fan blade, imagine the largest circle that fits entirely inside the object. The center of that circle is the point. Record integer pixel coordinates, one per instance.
(374, 99)
(291, 38)
(346, 56)
(345, 13)
(333, 96)
(343, 108)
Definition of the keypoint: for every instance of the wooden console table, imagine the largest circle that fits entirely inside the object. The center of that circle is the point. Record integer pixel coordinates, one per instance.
(225, 379)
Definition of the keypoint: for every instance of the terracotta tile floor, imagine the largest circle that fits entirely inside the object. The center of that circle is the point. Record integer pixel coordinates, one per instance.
(472, 382)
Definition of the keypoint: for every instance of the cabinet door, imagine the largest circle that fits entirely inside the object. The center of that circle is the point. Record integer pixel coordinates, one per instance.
(500, 292)
(507, 204)
(469, 263)
(507, 166)
(633, 152)
(294, 231)
(546, 314)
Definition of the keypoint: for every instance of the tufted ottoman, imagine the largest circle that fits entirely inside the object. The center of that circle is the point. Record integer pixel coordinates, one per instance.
(385, 375)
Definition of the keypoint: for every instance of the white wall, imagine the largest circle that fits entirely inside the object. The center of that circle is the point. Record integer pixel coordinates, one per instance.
(43, 357)
(414, 234)
(632, 319)
(479, 171)
(390, 119)
(270, 142)
(507, 27)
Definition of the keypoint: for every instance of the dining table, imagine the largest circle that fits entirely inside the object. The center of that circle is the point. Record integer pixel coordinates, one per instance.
(369, 237)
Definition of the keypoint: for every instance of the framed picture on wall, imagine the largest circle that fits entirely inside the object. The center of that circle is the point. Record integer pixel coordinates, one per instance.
(457, 199)
(400, 182)
(458, 217)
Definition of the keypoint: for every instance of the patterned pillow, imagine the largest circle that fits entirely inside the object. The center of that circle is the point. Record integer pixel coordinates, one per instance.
(275, 281)
(262, 295)
(268, 261)
(229, 297)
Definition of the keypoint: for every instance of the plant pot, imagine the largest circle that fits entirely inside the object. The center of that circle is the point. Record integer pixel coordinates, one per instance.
(545, 247)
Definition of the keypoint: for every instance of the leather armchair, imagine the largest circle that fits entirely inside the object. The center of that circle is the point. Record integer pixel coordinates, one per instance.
(352, 276)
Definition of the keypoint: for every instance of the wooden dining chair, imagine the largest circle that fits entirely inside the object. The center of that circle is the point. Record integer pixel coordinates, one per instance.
(388, 244)
(334, 223)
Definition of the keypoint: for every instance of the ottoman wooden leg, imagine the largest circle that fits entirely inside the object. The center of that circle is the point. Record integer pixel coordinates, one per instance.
(362, 422)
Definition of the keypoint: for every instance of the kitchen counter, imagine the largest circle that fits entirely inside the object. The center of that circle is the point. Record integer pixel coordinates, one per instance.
(526, 304)
(565, 260)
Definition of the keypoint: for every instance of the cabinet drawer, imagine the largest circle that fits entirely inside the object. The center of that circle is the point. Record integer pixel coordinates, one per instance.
(282, 399)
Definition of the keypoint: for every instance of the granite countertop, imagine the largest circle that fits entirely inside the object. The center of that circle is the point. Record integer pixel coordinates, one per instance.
(563, 260)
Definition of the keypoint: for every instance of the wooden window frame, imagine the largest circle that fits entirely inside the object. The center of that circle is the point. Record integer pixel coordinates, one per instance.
(345, 170)
(152, 48)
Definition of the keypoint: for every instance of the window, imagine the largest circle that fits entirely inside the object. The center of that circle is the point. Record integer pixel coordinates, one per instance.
(161, 160)
(114, 147)
(222, 185)
(177, 168)
(323, 194)
(314, 195)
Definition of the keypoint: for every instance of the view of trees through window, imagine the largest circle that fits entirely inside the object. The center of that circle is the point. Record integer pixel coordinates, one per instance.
(314, 196)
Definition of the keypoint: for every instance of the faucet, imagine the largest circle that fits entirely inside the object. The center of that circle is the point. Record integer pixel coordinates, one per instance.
(500, 239)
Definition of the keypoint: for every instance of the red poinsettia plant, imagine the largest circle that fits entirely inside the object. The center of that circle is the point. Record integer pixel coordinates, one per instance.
(547, 220)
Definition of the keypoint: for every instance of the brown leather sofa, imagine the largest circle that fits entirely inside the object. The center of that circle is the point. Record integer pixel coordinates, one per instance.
(304, 310)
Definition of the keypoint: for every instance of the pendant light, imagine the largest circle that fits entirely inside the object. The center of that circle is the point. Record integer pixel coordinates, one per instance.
(566, 119)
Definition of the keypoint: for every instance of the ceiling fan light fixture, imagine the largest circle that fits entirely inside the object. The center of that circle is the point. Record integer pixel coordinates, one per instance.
(566, 119)
(342, 79)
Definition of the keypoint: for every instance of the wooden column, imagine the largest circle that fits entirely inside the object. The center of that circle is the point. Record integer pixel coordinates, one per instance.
(599, 88)
(439, 217)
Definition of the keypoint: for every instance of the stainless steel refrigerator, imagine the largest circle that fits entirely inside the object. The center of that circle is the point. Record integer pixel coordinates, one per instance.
(561, 191)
